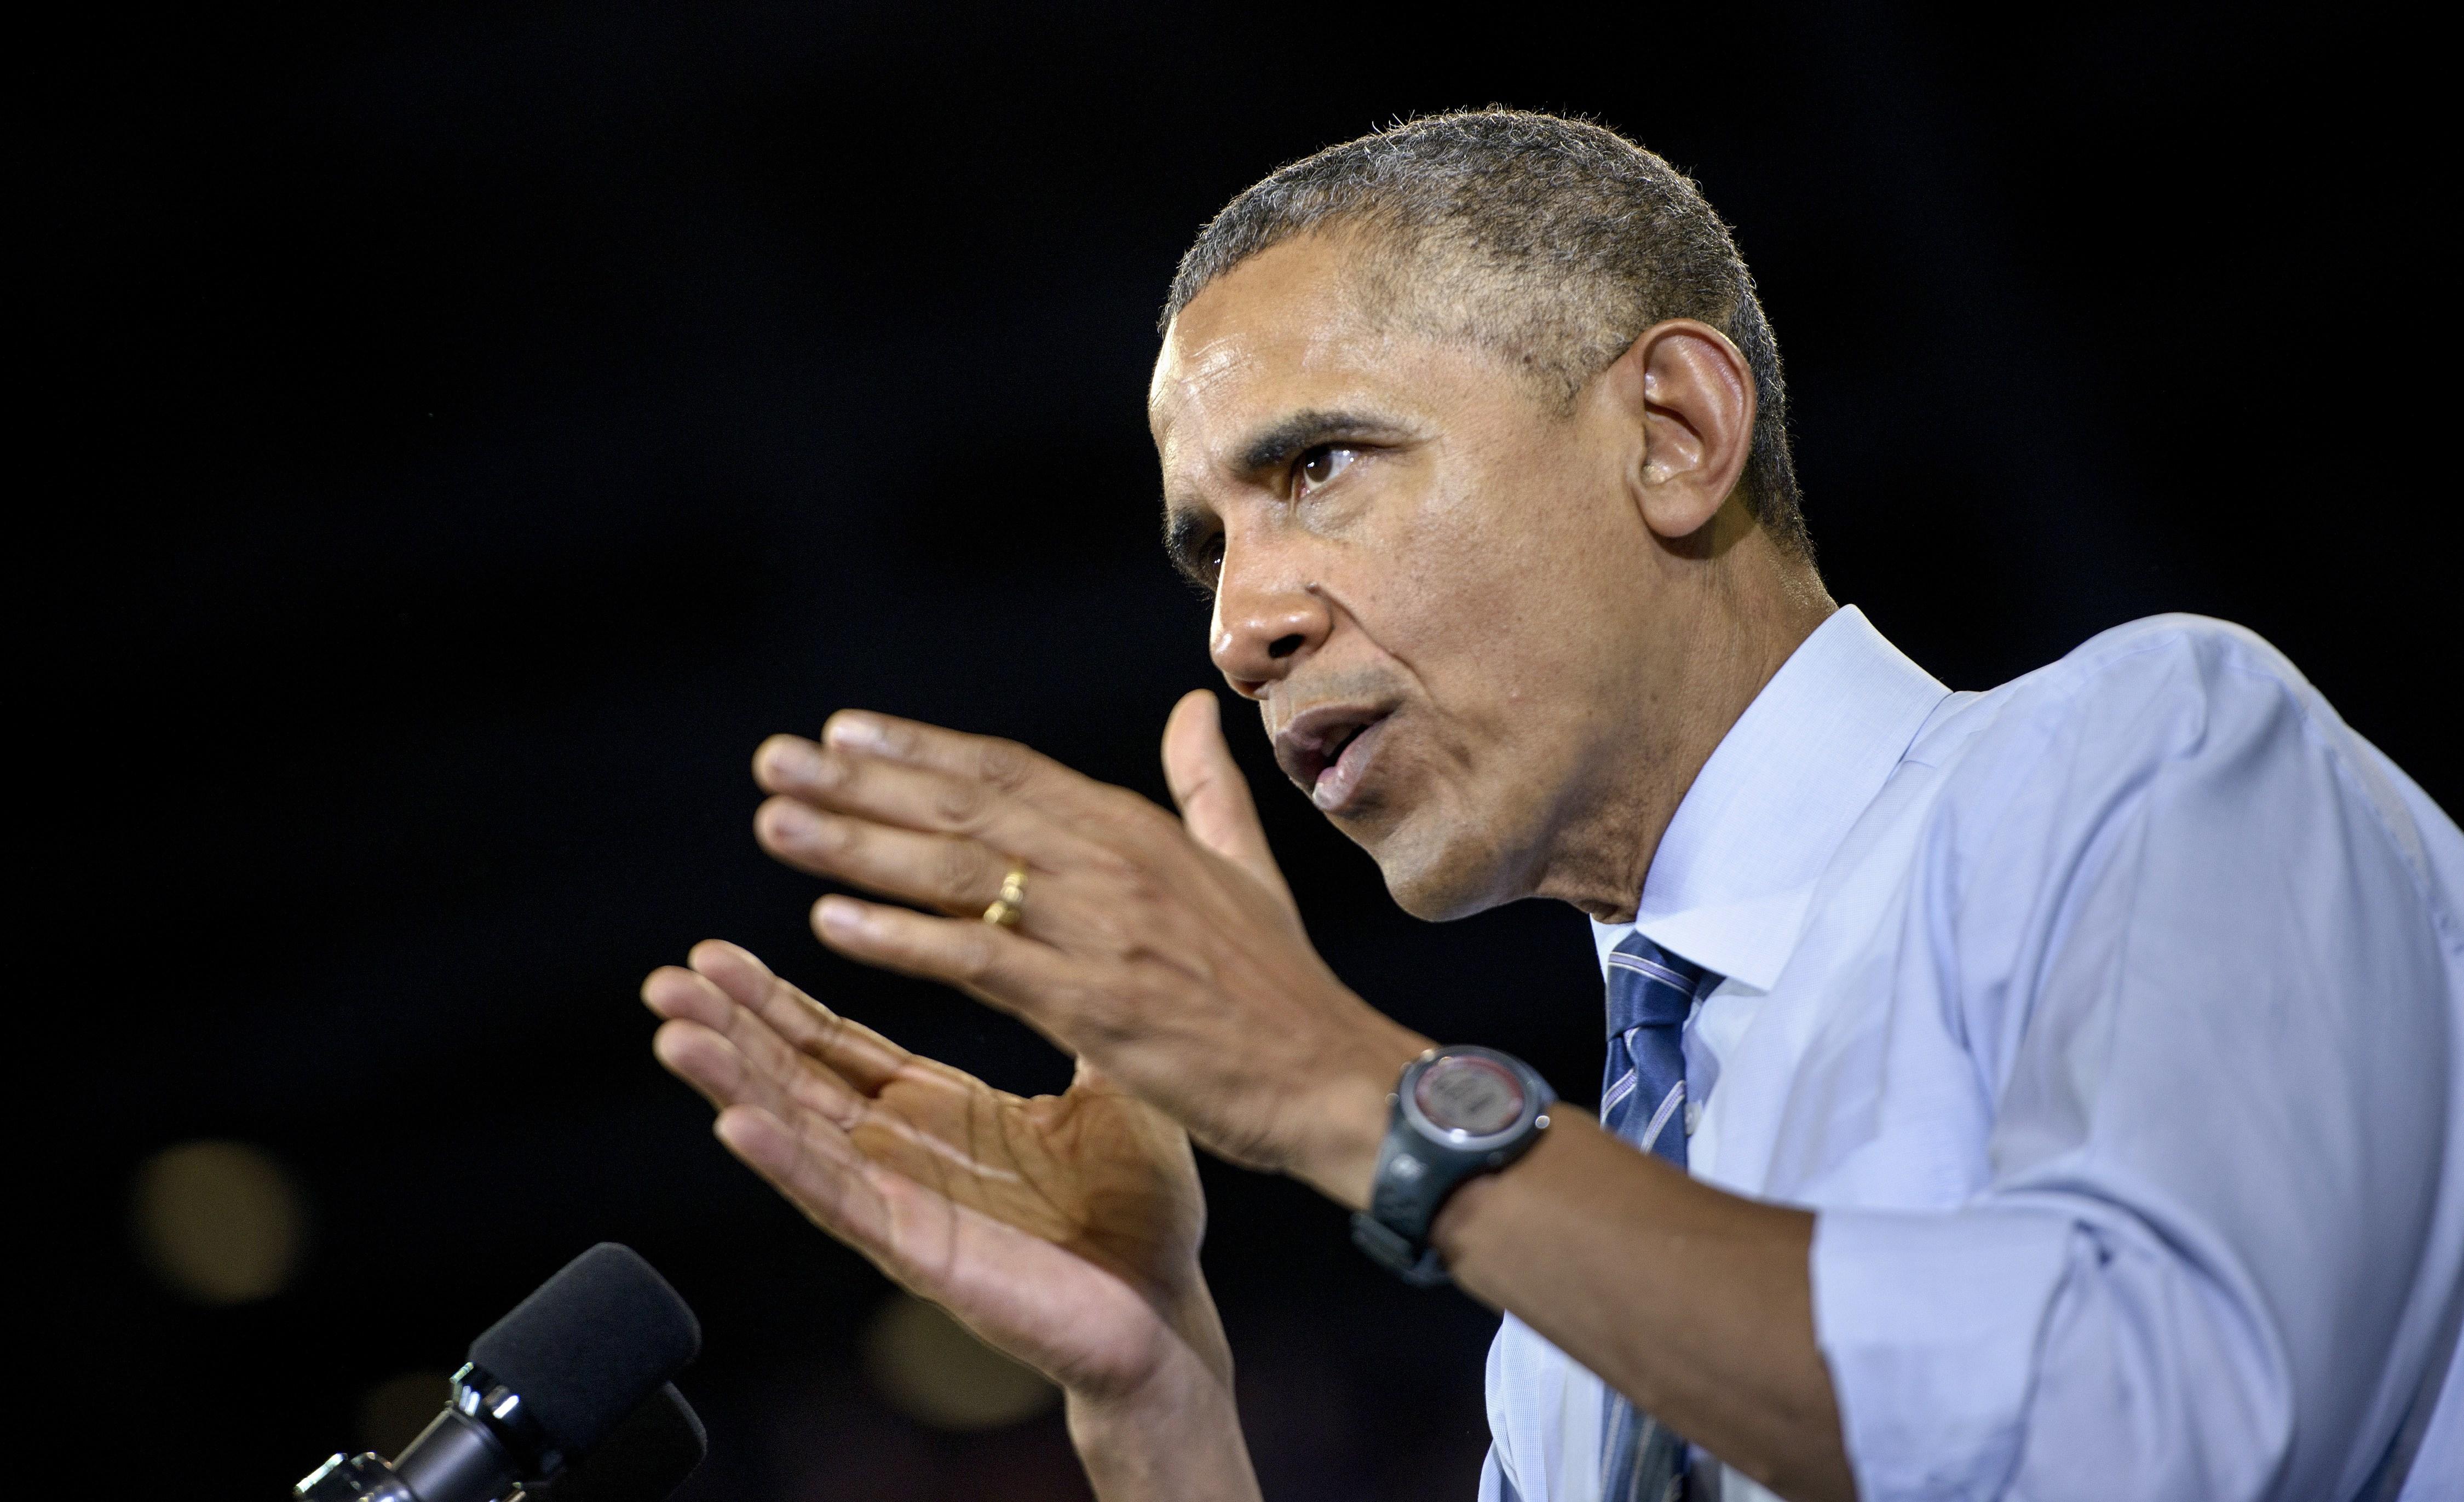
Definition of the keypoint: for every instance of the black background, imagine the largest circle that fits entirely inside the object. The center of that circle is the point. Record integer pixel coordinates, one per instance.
(455, 438)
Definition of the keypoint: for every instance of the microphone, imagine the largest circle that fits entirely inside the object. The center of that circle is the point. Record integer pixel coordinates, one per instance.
(543, 1387)
(641, 1460)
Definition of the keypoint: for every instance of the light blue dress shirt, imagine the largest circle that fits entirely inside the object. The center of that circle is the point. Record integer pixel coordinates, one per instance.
(2112, 1022)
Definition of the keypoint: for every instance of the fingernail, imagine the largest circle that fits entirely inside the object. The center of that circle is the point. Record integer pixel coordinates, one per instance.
(839, 915)
(791, 759)
(853, 731)
(793, 821)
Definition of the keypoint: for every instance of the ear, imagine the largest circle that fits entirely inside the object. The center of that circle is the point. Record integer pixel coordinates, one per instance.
(1691, 393)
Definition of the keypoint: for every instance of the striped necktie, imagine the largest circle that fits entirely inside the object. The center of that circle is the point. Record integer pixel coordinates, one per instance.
(1642, 1100)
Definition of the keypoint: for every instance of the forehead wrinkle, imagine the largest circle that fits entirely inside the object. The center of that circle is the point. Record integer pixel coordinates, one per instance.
(1317, 387)
(1183, 381)
(1271, 343)
(1269, 306)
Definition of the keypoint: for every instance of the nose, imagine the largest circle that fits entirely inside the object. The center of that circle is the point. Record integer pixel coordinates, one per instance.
(1265, 621)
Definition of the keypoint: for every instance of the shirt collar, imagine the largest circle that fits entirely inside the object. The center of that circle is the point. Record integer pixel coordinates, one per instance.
(1730, 883)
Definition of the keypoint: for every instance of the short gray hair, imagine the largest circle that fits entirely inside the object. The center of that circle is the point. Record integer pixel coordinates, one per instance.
(1555, 242)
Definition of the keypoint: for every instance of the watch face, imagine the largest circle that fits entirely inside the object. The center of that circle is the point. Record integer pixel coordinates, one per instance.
(1476, 1096)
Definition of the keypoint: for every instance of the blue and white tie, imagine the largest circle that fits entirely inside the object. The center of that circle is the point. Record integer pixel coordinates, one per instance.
(1642, 1100)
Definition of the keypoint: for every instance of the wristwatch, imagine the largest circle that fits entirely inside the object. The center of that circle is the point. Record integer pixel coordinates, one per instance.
(1458, 1112)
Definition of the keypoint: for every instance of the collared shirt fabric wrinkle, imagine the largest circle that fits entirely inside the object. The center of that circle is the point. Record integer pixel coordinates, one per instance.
(2112, 1023)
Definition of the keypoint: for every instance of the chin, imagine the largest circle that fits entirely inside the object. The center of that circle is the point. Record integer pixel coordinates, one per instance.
(1440, 880)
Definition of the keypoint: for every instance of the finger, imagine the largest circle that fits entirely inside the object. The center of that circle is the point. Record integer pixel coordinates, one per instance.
(864, 1058)
(1009, 971)
(949, 873)
(731, 1073)
(703, 1057)
(772, 1072)
(819, 1171)
(856, 1058)
(1214, 797)
(671, 992)
(1006, 766)
(763, 1065)
(919, 798)
(920, 1239)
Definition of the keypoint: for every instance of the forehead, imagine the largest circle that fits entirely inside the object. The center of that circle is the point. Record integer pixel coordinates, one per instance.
(1283, 331)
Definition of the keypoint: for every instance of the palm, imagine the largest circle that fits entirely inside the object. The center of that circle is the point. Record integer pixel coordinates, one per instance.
(1091, 1171)
(1063, 1229)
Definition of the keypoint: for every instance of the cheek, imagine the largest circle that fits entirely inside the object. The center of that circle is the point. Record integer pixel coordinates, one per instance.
(1502, 604)
(1498, 581)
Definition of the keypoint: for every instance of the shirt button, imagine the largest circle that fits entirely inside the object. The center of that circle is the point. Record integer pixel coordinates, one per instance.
(1693, 1117)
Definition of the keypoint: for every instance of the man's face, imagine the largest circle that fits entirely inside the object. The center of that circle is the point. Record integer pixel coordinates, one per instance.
(1433, 584)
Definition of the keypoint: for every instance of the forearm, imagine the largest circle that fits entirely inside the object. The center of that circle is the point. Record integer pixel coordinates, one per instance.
(1176, 1438)
(1695, 1303)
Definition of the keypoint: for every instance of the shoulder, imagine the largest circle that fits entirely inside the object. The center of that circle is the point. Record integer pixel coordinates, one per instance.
(2171, 705)
(2152, 688)
(2167, 689)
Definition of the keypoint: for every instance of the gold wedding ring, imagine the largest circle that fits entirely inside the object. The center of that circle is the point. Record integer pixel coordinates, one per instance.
(1011, 905)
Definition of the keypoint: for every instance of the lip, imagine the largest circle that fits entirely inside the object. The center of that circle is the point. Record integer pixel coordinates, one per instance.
(1327, 748)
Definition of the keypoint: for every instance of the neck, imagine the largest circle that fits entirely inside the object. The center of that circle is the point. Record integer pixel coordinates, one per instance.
(1753, 608)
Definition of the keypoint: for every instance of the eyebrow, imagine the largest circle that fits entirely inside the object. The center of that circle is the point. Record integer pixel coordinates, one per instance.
(1272, 449)
(1275, 447)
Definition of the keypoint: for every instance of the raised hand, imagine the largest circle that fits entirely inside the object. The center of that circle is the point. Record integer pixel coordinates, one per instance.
(1063, 1228)
(1164, 950)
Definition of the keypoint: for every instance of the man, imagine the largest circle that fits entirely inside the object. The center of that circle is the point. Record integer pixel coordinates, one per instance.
(2047, 1092)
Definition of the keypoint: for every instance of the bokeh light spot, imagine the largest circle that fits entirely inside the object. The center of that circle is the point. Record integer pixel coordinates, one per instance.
(220, 1223)
(928, 1366)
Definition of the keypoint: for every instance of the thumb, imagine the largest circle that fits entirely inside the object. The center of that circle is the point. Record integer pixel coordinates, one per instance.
(1213, 796)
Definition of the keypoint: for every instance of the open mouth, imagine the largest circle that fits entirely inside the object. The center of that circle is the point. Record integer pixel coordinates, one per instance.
(1326, 751)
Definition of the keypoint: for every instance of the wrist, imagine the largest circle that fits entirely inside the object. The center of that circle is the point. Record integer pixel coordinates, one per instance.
(1190, 1313)
(1348, 1116)
(1176, 1434)
(1181, 1381)
(1459, 1113)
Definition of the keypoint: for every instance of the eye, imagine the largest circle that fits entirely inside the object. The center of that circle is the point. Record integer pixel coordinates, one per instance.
(1320, 465)
(1203, 564)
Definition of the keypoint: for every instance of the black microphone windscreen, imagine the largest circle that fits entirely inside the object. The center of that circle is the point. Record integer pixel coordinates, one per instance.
(643, 1459)
(591, 1344)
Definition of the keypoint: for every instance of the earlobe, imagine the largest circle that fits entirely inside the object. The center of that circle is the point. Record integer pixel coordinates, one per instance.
(1697, 401)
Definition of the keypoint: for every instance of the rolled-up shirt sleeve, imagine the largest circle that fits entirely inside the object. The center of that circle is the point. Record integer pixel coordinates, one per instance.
(2207, 984)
